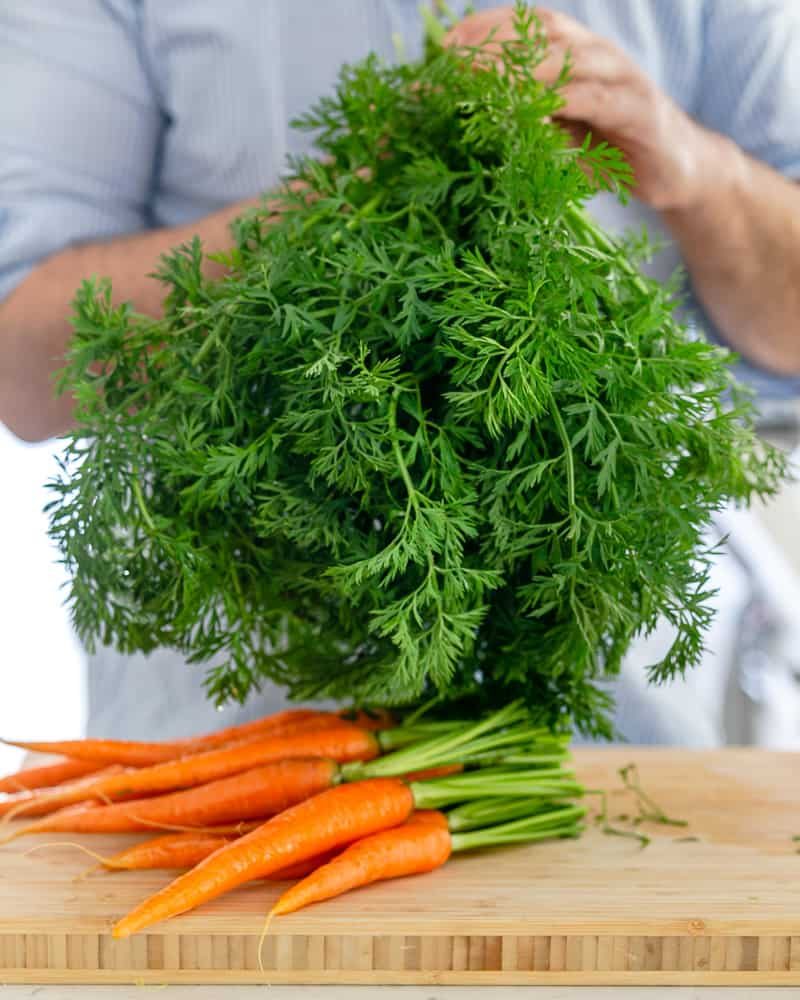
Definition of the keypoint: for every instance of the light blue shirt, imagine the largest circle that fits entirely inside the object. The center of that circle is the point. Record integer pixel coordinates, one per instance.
(120, 115)
(117, 116)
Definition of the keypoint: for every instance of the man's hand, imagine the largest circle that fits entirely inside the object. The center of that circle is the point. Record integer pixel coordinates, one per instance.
(609, 96)
(736, 220)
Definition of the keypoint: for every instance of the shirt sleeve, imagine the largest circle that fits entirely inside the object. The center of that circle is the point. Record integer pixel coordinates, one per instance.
(79, 129)
(750, 84)
(750, 91)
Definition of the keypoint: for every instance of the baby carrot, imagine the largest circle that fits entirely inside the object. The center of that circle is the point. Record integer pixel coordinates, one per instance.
(343, 743)
(422, 843)
(329, 820)
(41, 801)
(375, 719)
(138, 754)
(257, 793)
(185, 850)
(277, 722)
(47, 776)
(411, 849)
(175, 850)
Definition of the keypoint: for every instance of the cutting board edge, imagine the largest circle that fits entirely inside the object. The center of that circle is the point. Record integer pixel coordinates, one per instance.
(177, 977)
(194, 926)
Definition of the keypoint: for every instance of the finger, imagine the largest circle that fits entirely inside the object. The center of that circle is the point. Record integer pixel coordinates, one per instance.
(592, 60)
(600, 105)
(475, 28)
(577, 131)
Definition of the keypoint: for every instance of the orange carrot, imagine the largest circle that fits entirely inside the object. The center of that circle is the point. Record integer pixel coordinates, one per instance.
(343, 743)
(301, 868)
(434, 772)
(415, 847)
(329, 820)
(257, 793)
(42, 801)
(278, 722)
(47, 776)
(375, 719)
(429, 816)
(185, 850)
(175, 850)
(137, 754)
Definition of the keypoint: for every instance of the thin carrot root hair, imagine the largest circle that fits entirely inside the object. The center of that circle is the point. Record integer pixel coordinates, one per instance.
(70, 843)
(262, 938)
(18, 810)
(12, 836)
(233, 829)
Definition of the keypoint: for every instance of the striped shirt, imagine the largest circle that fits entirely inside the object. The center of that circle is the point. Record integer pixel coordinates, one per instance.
(117, 116)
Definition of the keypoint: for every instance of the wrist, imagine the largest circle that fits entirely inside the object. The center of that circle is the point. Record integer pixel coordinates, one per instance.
(710, 169)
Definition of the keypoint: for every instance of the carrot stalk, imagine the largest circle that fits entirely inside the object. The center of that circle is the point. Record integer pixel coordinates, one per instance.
(325, 822)
(47, 776)
(258, 793)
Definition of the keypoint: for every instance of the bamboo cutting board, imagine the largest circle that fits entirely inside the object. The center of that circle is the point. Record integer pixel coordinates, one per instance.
(723, 908)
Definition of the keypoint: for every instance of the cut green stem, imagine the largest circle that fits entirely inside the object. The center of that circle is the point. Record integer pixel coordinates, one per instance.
(563, 822)
(451, 748)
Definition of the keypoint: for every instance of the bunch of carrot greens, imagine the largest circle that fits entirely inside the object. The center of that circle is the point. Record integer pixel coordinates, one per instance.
(432, 433)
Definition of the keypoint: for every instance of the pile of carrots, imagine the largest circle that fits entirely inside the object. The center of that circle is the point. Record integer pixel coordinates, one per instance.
(331, 801)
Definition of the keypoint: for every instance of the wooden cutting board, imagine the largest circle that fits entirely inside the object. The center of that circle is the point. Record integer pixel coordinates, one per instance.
(723, 908)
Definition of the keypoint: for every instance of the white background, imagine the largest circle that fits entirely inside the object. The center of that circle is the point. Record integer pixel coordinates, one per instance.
(41, 663)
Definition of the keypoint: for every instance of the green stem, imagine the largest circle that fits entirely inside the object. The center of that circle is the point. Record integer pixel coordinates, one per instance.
(584, 226)
(522, 759)
(404, 735)
(486, 812)
(491, 838)
(438, 792)
(570, 461)
(140, 503)
(562, 433)
(450, 748)
(562, 822)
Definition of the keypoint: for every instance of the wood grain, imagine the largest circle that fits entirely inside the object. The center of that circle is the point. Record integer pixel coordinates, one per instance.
(723, 909)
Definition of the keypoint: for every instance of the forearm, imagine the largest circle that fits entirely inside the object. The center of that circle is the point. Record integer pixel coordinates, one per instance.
(739, 234)
(34, 319)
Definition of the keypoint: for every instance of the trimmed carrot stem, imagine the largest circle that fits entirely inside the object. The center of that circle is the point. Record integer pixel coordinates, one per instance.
(329, 820)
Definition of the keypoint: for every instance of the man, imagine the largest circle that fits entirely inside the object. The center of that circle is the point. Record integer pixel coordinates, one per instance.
(127, 126)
